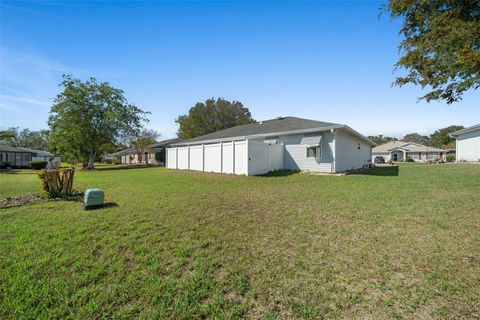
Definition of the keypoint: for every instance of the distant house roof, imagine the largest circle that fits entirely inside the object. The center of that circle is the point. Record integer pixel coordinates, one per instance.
(8, 148)
(466, 130)
(165, 143)
(277, 126)
(404, 145)
(161, 144)
(40, 153)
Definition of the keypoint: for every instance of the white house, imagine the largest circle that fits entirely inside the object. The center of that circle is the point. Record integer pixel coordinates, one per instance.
(403, 150)
(281, 143)
(468, 143)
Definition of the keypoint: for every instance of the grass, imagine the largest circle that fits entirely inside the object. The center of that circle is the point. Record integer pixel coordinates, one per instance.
(389, 244)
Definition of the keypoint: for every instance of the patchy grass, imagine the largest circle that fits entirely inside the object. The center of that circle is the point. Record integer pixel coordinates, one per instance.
(399, 244)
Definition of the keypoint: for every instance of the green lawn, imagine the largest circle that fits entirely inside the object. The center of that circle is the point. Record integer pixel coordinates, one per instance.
(191, 245)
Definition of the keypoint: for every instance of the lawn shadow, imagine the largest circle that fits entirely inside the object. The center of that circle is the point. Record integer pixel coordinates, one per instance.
(280, 173)
(123, 167)
(383, 171)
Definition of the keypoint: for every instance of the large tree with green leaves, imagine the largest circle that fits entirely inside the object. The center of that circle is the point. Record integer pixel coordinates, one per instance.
(441, 137)
(89, 118)
(440, 47)
(417, 138)
(380, 139)
(212, 115)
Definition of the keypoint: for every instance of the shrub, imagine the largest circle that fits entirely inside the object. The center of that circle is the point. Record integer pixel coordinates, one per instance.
(450, 158)
(409, 159)
(38, 165)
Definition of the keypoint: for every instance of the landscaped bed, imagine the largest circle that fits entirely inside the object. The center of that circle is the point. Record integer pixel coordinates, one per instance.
(390, 243)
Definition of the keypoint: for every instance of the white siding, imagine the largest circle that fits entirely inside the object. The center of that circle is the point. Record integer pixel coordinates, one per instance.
(196, 158)
(182, 160)
(468, 146)
(347, 155)
(172, 158)
(213, 158)
(295, 155)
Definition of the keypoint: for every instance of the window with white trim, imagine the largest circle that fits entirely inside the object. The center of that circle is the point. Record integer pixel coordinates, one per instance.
(314, 152)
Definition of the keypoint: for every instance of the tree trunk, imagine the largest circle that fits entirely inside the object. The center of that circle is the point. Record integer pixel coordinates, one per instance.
(91, 161)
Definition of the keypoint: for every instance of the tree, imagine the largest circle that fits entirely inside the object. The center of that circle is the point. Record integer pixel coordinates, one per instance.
(26, 138)
(441, 138)
(212, 115)
(417, 138)
(88, 118)
(141, 140)
(380, 139)
(441, 46)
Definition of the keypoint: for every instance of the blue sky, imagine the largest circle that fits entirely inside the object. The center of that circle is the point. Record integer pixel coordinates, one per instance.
(330, 61)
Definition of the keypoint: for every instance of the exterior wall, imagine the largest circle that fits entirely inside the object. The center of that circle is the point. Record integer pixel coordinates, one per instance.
(295, 154)
(468, 146)
(348, 156)
(134, 159)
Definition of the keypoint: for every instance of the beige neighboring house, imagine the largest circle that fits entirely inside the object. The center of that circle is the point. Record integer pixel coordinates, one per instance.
(402, 150)
(153, 154)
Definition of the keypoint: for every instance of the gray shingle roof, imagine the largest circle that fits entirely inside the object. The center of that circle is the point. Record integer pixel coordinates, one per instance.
(276, 125)
(8, 148)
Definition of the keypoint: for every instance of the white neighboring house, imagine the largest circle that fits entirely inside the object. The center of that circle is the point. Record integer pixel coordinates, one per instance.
(468, 144)
(281, 143)
(401, 150)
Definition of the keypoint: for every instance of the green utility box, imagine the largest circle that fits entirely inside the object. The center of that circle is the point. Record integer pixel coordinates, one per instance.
(94, 198)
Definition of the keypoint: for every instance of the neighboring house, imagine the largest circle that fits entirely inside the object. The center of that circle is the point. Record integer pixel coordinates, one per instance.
(468, 143)
(20, 157)
(402, 150)
(281, 143)
(14, 157)
(153, 154)
(38, 154)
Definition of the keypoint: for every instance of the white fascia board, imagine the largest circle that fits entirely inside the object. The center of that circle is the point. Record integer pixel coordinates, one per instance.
(466, 130)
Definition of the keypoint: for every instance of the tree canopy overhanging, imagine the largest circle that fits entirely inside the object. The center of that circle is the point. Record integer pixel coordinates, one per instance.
(440, 47)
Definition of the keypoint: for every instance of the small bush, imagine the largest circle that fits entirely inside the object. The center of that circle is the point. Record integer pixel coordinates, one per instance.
(38, 165)
(409, 159)
(450, 158)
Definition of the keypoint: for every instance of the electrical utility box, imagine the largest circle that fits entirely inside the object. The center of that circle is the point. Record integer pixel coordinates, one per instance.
(93, 199)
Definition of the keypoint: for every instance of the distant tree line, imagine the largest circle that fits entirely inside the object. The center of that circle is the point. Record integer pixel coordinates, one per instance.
(439, 139)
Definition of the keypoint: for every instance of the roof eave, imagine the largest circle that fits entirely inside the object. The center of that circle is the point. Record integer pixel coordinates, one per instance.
(260, 135)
